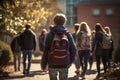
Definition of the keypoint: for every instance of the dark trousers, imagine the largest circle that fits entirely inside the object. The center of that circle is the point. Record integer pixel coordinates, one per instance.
(84, 56)
(91, 58)
(104, 62)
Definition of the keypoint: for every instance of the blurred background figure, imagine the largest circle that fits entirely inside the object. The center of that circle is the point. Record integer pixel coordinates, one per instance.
(15, 47)
(110, 50)
(99, 51)
(42, 43)
(91, 57)
(42, 40)
(76, 62)
(84, 46)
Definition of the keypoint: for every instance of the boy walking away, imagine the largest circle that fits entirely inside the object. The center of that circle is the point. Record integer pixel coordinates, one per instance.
(27, 42)
(59, 50)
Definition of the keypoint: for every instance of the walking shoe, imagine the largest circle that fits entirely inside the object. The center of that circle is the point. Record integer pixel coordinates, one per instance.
(98, 75)
(82, 75)
(24, 72)
(27, 72)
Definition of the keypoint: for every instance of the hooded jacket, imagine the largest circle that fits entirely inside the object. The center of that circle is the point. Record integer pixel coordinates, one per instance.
(48, 41)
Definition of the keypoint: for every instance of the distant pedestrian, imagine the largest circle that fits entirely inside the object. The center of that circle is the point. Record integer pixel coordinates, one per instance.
(27, 41)
(76, 62)
(84, 46)
(110, 50)
(58, 58)
(100, 52)
(91, 57)
(50, 27)
(16, 53)
(42, 40)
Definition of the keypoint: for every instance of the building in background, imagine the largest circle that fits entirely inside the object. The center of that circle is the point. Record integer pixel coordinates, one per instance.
(69, 8)
(106, 12)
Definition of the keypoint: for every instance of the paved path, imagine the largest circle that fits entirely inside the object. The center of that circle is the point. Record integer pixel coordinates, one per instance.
(36, 74)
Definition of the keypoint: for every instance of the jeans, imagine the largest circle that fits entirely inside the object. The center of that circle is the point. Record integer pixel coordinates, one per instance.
(27, 53)
(84, 56)
(63, 73)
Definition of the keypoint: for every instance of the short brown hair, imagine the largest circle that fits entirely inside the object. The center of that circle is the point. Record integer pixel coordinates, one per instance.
(60, 19)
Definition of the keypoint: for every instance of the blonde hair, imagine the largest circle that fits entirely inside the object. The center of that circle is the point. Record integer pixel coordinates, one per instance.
(84, 27)
(107, 29)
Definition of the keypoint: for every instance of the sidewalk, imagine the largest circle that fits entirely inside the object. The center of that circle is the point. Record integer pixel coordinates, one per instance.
(36, 74)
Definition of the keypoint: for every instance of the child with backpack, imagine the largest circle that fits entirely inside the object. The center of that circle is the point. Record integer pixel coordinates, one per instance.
(99, 51)
(84, 46)
(110, 49)
(59, 50)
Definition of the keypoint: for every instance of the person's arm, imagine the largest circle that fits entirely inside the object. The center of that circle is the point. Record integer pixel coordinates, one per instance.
(35, 40)
(12, 45)
(72, 47)
(44, 61)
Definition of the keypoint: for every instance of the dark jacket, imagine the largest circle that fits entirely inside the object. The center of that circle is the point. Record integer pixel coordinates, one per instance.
(27, 40)
(74, 36)
(41, 42)
(49, 37)
(15, 47)
(99, 51)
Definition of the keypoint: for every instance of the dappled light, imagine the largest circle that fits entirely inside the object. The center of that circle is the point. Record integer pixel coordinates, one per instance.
(13, 16)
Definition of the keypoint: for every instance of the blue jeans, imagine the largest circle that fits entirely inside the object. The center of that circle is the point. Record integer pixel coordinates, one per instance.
(25, 54)
(63, 73)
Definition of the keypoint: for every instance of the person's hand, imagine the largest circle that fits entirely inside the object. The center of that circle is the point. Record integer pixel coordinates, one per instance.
(91, 54)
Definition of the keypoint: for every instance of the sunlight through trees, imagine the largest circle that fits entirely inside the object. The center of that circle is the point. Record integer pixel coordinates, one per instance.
(14, 14)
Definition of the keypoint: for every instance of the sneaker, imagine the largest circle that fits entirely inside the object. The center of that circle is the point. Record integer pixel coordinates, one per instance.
(82, 75)
(24, 72)
(27, 72)
(98, 75)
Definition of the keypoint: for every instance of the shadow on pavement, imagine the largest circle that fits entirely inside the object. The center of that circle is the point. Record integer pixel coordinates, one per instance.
(89, 72)
(38, 73)
(20, 75)
(76, 77)
(14, 77)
